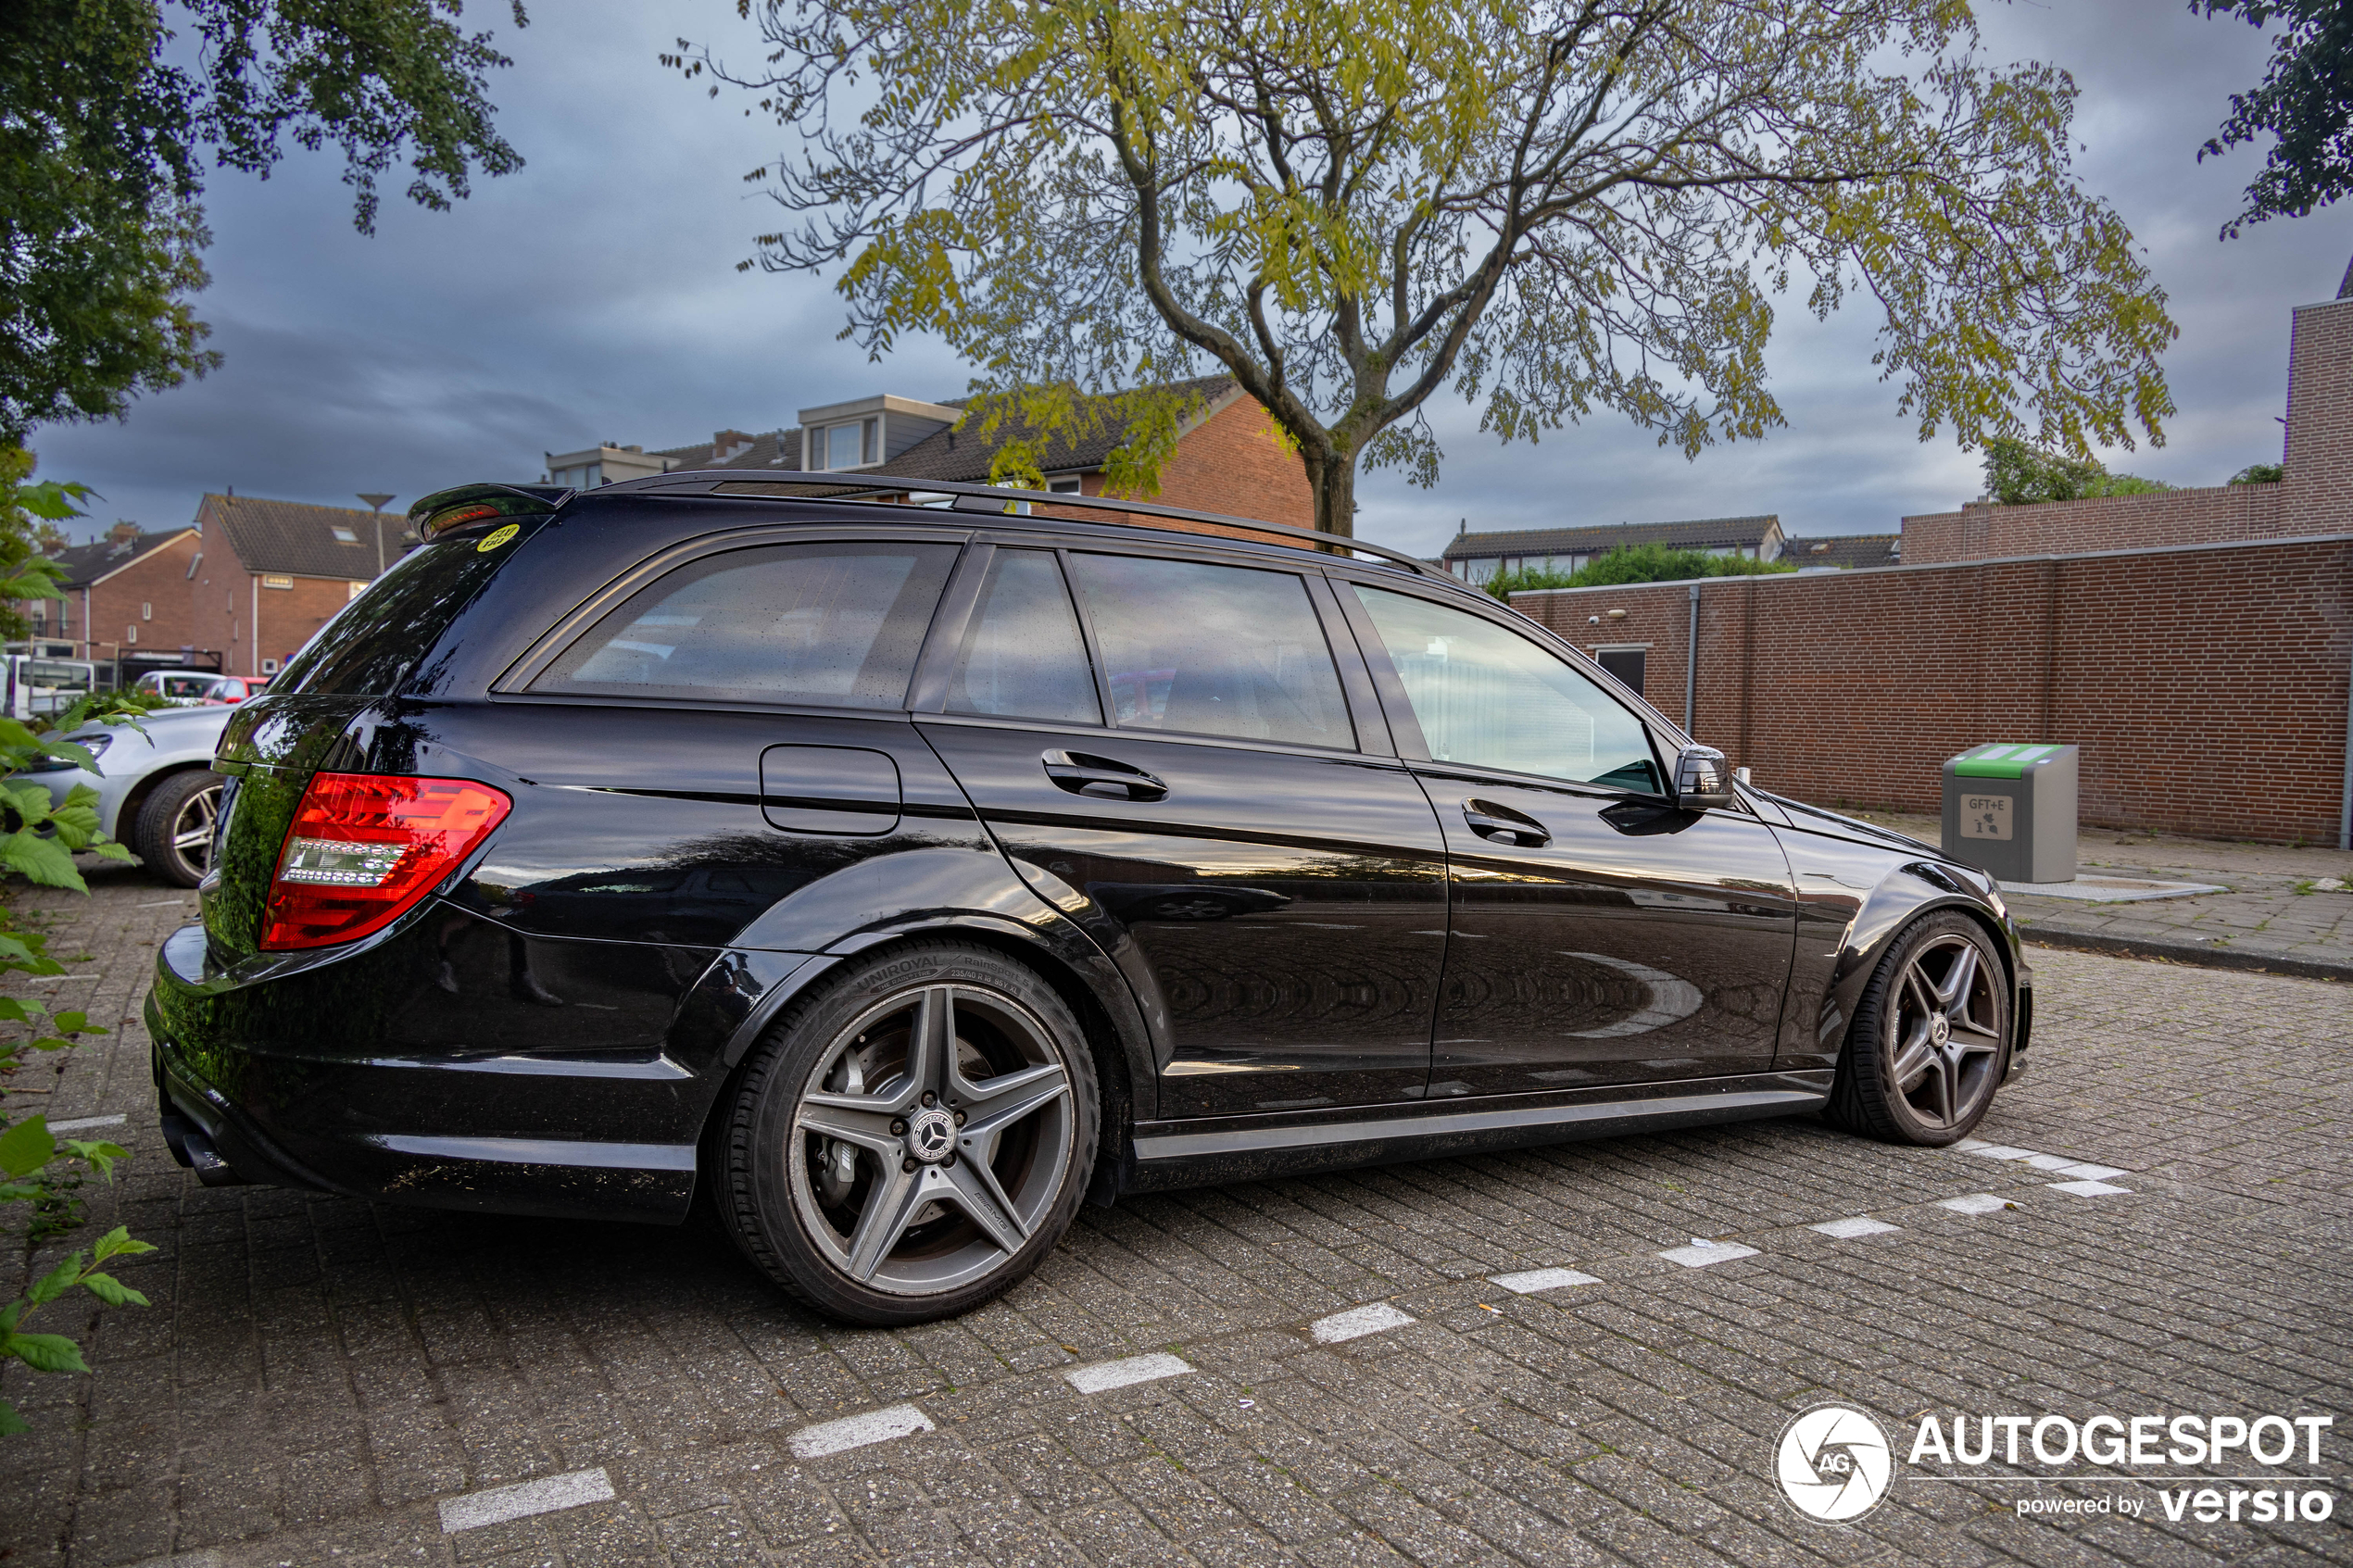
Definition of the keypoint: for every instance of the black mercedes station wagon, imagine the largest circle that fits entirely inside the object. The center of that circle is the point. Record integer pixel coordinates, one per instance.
(894, 877)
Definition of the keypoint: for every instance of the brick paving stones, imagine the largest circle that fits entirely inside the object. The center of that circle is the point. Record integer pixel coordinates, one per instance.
(322, 1381)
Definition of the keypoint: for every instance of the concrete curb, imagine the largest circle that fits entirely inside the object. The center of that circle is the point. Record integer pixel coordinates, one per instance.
(2186, 953)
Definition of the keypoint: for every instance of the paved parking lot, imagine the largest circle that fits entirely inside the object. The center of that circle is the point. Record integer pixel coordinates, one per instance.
(319, 1381)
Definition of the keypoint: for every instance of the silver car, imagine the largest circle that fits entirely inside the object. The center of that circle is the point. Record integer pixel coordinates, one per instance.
(156, 790)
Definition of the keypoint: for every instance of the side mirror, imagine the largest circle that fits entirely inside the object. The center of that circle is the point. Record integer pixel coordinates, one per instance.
(1701, 779)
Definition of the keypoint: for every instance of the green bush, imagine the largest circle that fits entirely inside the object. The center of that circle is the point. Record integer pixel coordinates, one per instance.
(1634, 563)
(2260, 473)
(2017, 474)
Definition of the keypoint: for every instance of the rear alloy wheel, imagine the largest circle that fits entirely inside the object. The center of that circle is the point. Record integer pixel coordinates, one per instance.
(174, 833)
(914, 1139)
(1930, 1039)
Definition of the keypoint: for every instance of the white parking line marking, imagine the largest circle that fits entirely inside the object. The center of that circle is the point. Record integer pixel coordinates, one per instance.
(1356, 1322)
(523, 1499)
(1847, 1230)
(2087, 1189)
(1975, 1203)
(2001, 1151)
(118, 1119)
(857, 1430)
(158, 903)
(2092, 1173)
(1104, 1376)
(2050, 1161)
(1534, 1280)
(1970, 1146)
(1696, 1257)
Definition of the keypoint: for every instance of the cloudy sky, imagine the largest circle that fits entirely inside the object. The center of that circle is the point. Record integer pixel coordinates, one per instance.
(592, 297)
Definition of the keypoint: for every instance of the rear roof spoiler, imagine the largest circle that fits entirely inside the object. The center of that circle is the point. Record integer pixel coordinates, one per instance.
(446, 509)
(885, 487)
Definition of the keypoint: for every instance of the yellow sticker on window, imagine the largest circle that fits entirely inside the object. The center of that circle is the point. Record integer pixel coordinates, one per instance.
(497, 537)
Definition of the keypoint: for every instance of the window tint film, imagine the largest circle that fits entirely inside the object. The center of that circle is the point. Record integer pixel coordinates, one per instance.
(1212, 650)
(836, 625)
(1025, 658)
(374, 641)
(1492, 698)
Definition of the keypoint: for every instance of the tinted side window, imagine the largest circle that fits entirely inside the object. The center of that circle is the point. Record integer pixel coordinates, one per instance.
(1025, 658)
(1492, 698)
(836, 625)
(1212, 650)
(372, 642)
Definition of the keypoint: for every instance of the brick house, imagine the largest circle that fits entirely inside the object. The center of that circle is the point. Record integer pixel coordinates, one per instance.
(1228, 458)
(127, 597)
(271, 573)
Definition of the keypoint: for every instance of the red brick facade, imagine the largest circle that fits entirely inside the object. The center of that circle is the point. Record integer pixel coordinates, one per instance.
(145, 606)
(1230, 462)
(2207, 684)
(227, 599)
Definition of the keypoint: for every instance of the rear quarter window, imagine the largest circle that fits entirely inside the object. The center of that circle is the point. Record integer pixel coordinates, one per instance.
(375, 642)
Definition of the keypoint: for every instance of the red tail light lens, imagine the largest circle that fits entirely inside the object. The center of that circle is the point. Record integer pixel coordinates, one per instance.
(365, 847)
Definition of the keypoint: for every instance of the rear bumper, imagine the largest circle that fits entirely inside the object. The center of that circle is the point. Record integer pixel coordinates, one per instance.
(310, 1076)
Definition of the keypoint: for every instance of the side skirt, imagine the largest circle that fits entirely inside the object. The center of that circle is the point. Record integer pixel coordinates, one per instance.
(1211, 1150)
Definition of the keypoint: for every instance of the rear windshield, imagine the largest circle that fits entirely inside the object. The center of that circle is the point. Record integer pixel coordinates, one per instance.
(373, 642)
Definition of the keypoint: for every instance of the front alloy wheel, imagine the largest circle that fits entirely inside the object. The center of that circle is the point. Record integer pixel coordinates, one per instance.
(173, 835)
(914, 1139)
(1930, 1038)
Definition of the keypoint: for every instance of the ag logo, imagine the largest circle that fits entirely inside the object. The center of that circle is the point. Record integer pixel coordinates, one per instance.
(497, 537)
(1833, 1463)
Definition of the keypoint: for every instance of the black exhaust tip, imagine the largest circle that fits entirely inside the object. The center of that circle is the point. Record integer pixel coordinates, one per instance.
(193, 1147)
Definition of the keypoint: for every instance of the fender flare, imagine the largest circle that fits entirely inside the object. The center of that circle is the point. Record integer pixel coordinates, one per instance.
(1909, 891)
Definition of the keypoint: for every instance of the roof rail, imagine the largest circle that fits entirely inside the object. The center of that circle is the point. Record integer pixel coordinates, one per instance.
(985, 498)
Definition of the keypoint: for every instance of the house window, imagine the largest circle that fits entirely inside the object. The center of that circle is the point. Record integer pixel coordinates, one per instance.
(851, 445)
(353, 590)
(344, 535)
(130, 633)
(277, 582)
(1069, 485)
(270, 667)
(147, 611)
(1626, 663)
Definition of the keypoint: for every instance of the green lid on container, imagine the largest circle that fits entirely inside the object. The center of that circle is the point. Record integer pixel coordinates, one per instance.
(2008, 759)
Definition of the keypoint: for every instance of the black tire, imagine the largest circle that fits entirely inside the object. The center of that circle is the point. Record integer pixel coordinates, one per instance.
(1901, 1079)
(173, 834)
(858, 1226)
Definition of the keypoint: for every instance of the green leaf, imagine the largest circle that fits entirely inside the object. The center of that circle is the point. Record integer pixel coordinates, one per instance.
(107, 848)
(14, 1011)
(71, 1023)
(27, 1147)
(56, 1283)
(40, 860)
(45, 1352)
(101, 1156)
(118, 1243)
(11, 1423)
(113, 1292)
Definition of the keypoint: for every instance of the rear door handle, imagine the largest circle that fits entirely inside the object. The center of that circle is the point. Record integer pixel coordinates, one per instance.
(1504, 827)
(1101, 777)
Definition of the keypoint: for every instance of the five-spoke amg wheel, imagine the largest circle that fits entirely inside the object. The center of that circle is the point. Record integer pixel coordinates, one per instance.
(173, 835)
(912, 1139)
(1931, 1038)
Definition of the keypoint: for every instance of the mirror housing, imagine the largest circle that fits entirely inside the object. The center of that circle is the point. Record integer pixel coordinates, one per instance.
(1701, 779)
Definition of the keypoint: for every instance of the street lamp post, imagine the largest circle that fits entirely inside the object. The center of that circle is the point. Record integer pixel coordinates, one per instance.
(376, 504)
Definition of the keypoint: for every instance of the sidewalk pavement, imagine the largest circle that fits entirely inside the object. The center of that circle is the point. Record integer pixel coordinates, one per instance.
(2282, 910)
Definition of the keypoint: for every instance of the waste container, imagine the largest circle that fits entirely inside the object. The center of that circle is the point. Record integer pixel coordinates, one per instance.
(2009, 808)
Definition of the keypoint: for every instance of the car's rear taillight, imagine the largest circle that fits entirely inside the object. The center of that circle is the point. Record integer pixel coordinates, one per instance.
(364, 847)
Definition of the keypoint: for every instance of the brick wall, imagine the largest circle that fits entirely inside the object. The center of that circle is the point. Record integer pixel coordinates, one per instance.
(1231, 463)
(2214, 515)
(226, 597)
(151, 594)
(2319, 487)
(2207, 684)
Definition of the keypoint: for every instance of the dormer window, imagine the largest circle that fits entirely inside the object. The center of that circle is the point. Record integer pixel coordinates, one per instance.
(344, 535)
(853, 445)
